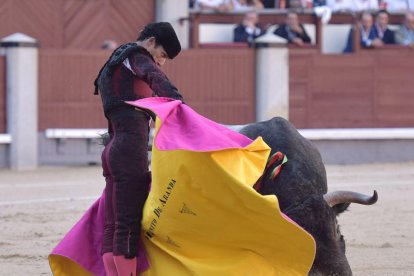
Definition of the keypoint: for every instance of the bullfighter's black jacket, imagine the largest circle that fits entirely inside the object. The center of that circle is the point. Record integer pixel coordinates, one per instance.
(131, 74)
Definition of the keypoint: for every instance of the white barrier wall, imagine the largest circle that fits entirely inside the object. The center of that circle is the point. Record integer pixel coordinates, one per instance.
(216, 33)
(219, 33)
(334, 38)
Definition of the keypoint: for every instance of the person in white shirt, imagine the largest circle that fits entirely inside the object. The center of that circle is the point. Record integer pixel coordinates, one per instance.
(352, 5)
(246, 5)
(215, 5)
(396, 6)
(410, 5)
(365, 5)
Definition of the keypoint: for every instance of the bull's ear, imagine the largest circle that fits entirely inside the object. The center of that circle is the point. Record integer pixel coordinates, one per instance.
(340, 208)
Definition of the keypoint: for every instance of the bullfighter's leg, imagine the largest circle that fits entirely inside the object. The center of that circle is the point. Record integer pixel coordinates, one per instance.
(128, 158)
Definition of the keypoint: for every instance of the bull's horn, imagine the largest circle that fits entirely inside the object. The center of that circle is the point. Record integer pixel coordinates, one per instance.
(338, 197)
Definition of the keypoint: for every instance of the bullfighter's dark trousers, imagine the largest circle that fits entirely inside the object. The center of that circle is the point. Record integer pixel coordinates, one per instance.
(125, 168)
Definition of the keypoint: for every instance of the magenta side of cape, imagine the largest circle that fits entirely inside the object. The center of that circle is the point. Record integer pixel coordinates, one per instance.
(82, 244)
(183, 128)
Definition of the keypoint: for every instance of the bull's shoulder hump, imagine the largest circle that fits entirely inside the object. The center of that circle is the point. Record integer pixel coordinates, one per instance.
(272, 126)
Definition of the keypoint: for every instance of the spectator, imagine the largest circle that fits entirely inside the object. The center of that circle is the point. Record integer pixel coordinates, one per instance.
(109, 45)
(367, 34)
(245, 5)
(248, 29)
(293, 31)
(215, 5)
(405, 34)
(381, 28)
(340, 5)
(365, 5)
(319, 3)
(296, 5)
(372, 36)
(396, 6)
(269, 4)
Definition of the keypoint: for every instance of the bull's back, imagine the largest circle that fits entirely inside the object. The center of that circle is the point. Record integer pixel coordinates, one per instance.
(304, 173)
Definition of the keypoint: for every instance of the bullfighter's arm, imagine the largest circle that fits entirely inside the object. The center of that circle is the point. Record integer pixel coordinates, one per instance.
(145, 68)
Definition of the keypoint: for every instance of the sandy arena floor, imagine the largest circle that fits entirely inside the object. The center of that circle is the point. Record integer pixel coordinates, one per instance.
(37, 208)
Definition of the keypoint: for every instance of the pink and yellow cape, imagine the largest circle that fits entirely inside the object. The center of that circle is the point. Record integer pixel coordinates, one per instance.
(202, 216)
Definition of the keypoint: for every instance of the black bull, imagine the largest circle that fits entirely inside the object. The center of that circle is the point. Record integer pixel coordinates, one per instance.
(301, 188)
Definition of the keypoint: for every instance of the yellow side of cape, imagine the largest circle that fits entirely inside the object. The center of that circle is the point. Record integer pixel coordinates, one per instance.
(62, 266)
(203, 217)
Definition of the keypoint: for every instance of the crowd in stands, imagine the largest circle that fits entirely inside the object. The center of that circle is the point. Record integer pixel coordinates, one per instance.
(392, 6)
(372, 35)
(373, 30)
(292, 30)
(227, 5)
(249, 29)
